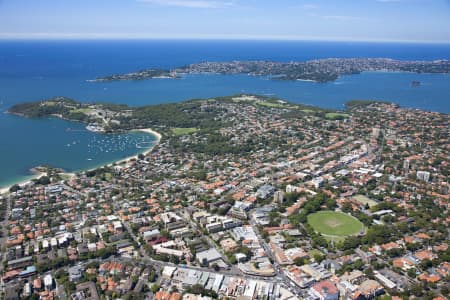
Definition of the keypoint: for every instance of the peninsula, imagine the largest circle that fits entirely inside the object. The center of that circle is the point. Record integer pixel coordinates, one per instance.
(319, 70)
(168, 118)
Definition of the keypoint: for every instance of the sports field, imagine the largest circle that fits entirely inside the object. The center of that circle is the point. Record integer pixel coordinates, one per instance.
(183, 131)
(331, 223)
(336, 116)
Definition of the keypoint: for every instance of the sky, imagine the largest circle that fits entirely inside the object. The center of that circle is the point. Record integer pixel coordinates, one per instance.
(334, 20)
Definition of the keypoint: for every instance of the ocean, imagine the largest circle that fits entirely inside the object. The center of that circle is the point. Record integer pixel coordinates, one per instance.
(34, 70)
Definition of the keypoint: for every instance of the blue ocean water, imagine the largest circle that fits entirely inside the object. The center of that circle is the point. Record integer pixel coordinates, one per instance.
(33, 70)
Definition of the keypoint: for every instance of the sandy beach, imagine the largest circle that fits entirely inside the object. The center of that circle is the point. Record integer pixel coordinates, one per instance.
(36, 176)
(4, 190)
(151, 131)
(21, 183)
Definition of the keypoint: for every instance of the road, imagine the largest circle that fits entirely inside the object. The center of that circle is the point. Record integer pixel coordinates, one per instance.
(279, 278)
(280, 274)
(4, 237)
(4, 229)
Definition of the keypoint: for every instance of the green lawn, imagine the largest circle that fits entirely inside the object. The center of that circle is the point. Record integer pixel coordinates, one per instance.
(335, 116)
(313, 252)
(270, 104)
(334, 223)
(81, 110)
(50, 103)
(183, 131)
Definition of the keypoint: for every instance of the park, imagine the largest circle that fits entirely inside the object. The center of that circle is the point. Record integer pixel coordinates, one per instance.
(335, 225)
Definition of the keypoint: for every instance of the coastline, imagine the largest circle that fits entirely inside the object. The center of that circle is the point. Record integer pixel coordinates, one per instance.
(5, 190)
(151, 131)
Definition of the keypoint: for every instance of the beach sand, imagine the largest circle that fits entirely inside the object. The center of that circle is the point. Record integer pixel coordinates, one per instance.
(22, 183)
(151, 131)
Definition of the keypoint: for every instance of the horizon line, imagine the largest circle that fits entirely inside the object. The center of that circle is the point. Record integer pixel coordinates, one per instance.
(212, 38)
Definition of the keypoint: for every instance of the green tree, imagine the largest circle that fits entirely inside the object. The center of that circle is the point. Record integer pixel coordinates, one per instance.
(412, 273)
(154, 288)
(299, 261)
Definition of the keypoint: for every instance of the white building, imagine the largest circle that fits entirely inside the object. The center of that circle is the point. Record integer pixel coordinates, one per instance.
(48, 282)
(423, 175)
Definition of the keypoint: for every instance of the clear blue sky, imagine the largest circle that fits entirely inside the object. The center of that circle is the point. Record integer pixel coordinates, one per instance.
(365, 20)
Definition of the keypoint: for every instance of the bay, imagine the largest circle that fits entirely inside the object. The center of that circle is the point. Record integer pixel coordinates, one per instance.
(27, 143)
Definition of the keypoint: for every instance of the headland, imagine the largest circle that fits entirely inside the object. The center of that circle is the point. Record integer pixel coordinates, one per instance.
(318, 70)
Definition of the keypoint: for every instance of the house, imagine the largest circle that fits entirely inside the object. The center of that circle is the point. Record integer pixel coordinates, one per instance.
(325, 290)
(151, 235)
(265, 191)
(163, 295)
(384, 280)
(168, 272)
(75, 273)
(317, 182)
(82, 248)
(171, 221)
(171, 248)
(431, 278)
(85, 291)
(240, 257)
(370, 289)
(214, 227)
(228, 245)
(403, 263)
(92, 247)
(424, 255)
(390, 246)
(37, 284)
(209, 256)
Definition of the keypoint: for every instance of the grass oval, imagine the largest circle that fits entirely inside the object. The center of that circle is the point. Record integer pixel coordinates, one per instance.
(334, 223)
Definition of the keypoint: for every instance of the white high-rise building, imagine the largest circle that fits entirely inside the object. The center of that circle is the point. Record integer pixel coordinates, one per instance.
(406, 165)
(278, 197)
(48, 282)
(423, 175)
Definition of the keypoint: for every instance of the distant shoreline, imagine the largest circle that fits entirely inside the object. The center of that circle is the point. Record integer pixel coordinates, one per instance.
(5, 190)
(317, 70)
